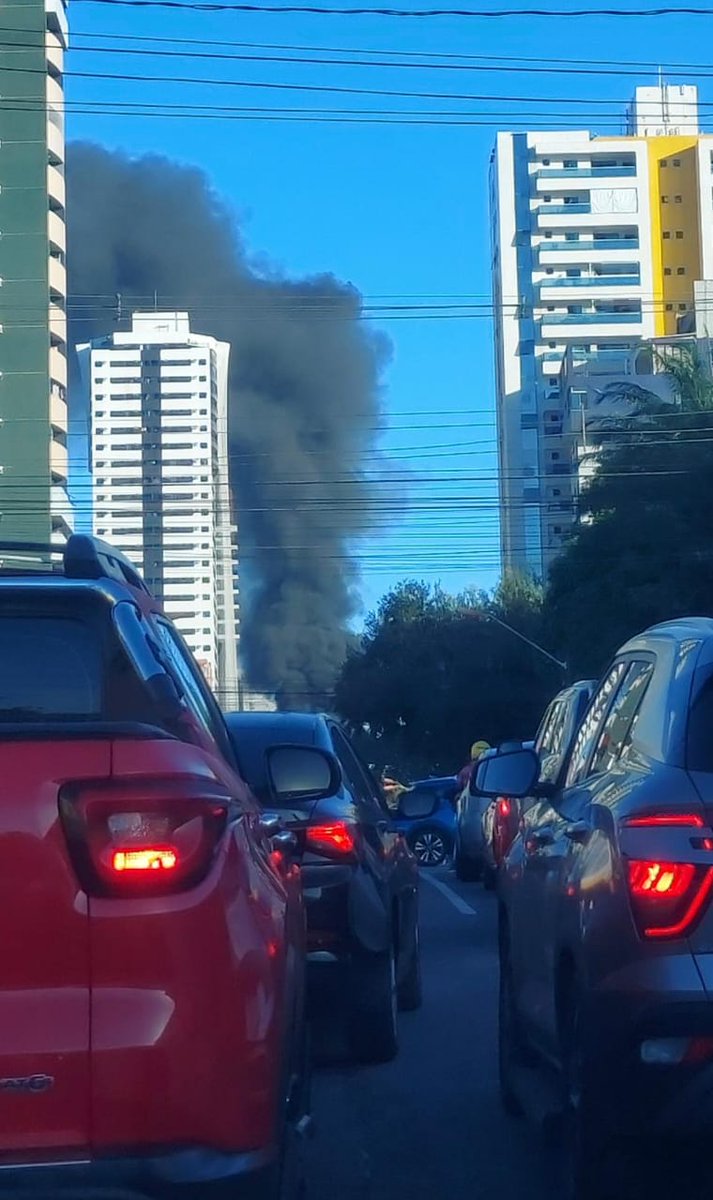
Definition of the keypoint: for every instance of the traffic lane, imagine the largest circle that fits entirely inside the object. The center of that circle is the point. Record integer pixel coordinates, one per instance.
(430, 1123)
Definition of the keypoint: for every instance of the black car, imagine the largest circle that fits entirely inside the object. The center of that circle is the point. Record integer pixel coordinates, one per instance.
(360, 877)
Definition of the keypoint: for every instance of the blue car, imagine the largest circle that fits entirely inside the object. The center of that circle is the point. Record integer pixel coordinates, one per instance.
(426, 814)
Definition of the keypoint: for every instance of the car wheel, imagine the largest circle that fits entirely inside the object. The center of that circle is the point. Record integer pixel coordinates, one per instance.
(373, 1004)
(490, 878)
(467, 869)
(410, 992)
(430, 846)
(510, 1043)
(589, 1153)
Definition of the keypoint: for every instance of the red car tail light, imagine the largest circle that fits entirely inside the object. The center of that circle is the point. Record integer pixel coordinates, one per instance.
(336, 839)
(667, 898)
(143, 837)
(504, 806)
(661, 820)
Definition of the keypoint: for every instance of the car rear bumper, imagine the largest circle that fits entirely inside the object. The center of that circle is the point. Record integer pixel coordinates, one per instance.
(345, 909)
(186, 1172)
(638, 1097)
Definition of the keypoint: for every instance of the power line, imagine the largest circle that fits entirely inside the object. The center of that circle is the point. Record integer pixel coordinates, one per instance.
(422, 13)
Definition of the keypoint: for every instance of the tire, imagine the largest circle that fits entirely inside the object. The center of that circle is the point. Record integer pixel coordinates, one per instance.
(467, 869)
(373, 1004)
(490, 878)
(589, 1151)
(430, 845)
(511, 1052)
(410, 992)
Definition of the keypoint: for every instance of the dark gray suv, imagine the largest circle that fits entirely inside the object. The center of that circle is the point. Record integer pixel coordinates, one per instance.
(606, 919)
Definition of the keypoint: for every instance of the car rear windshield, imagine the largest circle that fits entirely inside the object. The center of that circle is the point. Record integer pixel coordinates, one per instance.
(50, 669)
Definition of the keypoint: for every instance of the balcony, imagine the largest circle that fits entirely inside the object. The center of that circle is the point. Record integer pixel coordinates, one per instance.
(58, 412)
(57, 277)
(56, 231)
(589, 281)
(55, 143)
(55, 185)
(558, 210)
(55, 93)
(59, 460)
(58, 368)
(587, 247)
(592, 318)
(587, 172)
(58, 325)
(55, 51)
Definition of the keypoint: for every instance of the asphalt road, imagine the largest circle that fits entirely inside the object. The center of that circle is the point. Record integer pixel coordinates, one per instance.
(429, 1125)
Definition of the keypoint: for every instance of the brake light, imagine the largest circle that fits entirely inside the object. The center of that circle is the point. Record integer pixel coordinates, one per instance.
(504, 806)
(144, 860)
(659, 820)
(140, 836)
(667, 898)
(337, 839)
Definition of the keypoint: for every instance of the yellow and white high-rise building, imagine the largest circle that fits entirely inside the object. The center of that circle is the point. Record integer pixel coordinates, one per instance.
(597, 244)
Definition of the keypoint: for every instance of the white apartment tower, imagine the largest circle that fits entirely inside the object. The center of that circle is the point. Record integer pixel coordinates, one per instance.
(597, 243)
(159, 456)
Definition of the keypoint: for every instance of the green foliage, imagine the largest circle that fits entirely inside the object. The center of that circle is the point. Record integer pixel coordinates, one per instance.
(643, 551)
(433, 674)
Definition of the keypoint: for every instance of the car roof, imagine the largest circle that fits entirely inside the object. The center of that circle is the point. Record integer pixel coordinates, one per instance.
(283, 725)
(682, 629)
(83, 562)
(582, 685)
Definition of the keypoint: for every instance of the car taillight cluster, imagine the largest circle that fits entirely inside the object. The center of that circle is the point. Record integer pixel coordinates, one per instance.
(337, 839)
(668, 897)
(504, 807)
(142, 837)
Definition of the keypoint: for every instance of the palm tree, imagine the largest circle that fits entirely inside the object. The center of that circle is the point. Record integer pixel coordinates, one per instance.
(690, 379)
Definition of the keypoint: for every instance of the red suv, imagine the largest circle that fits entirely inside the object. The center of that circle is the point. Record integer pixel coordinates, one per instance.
(151, 998)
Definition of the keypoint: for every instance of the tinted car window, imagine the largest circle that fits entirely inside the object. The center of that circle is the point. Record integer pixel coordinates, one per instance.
(50, 669)
(253, 739)
(555, 745)
(592, 723)
(618, 727)
(699, 756)
(356, 780)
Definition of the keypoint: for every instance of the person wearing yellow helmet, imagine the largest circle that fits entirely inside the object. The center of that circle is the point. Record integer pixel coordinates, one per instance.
(477, 750)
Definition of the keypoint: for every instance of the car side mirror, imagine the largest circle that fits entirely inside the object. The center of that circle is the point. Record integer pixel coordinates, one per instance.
(512, 773)
(302, 773)
(416, 805)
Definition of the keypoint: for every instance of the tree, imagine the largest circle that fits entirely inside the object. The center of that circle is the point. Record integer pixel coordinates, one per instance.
(433, 674)
(643, 549)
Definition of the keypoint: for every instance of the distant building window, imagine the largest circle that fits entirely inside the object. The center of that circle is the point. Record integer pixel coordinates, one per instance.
(546, 161)
(666, 235)
(664, 199)
(664, 162)
(669, 308)
(679, 234)
(570, 164)
(680, 270)
(678, 199)
(676, 162)
(682, 307)
(667, 270)
(550, 271)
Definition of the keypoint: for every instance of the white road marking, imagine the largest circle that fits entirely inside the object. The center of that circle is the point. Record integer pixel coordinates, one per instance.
(457, 901)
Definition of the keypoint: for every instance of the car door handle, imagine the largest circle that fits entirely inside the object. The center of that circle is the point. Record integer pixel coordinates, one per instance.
(578, 831)
(539, 838)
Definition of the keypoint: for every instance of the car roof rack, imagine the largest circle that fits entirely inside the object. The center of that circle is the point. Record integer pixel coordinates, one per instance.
(83, 557)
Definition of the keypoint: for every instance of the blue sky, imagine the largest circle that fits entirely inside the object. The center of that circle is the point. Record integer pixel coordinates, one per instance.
(399, 211)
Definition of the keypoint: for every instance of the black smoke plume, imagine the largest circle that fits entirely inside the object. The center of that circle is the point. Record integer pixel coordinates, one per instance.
(304, 395)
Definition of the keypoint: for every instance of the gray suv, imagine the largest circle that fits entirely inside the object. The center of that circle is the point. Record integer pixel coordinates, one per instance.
(606, 920)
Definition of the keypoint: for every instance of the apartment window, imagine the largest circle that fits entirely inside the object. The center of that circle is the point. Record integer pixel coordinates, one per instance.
(664, 199)
(680, 270)
(555, 455)
(682, 307)
(571, 237)
(667, 270)
(676, 162)
(550, 308)
(550, 271)
(570, 164)
(557, 529)
(678, 199)
(546, 161)
(548, 234)
(553, 382)
(664, 162)
(547, 199)
(679, 234)
(573, 273)
(666, 235)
